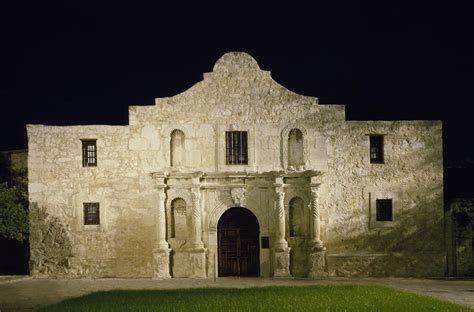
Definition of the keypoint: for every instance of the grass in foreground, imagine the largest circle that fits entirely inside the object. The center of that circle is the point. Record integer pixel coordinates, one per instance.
(310, 298)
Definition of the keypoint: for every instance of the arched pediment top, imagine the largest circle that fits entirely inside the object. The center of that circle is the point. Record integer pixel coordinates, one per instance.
(217, 214)
(286, 131)
(222, 202)
(169, 130)
(235, 62)
(173, 194)
(284, 143)
(291, 193)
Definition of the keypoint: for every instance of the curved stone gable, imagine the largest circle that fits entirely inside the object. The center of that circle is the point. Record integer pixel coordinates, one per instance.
(238, 90)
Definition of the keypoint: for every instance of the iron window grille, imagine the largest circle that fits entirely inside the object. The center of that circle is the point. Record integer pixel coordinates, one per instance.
(91, 214)
(236, 148)
(376, 149)
(383, 210)
(89, 153)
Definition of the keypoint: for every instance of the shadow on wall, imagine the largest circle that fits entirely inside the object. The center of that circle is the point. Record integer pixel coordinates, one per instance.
(413, 246)
(50, 244)
(414, 243)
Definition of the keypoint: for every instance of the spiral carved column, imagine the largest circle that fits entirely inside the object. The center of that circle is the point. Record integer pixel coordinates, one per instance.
(315, 220)
(196, 250)
(282, 251)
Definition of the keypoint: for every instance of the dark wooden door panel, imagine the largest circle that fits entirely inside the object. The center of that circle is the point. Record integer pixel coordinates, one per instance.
(238, 244)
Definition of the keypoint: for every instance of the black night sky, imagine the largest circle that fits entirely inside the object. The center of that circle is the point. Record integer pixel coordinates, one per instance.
(72, 63)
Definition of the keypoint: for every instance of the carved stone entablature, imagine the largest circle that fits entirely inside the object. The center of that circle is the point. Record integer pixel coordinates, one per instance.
(238, 196)
(284, 145)
(159, 179)
(219, 202)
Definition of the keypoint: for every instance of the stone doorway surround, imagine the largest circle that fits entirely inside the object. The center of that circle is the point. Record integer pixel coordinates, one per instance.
(208, 195)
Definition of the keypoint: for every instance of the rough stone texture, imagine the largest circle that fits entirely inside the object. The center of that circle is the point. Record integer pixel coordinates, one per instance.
(237, 95)
(50, 244)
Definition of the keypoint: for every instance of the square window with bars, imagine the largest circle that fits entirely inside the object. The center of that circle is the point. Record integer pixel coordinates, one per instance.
(236, 147)
(376, 149)
(91, 214)
(383, 209)
(89, 153)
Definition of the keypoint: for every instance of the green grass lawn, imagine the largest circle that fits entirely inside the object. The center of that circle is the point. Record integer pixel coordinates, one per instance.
(310, 298)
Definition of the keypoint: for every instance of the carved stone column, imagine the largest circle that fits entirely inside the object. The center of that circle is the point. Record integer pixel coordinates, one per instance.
(282, 251)
(316, 242)
(317, 250)
(196, 228)
(161, 250)
(197, 252)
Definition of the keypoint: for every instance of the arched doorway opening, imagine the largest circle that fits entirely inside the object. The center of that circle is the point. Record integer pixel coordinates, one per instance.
(238, 245)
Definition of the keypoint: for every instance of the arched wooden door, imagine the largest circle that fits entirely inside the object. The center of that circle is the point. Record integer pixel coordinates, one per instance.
(238, 245)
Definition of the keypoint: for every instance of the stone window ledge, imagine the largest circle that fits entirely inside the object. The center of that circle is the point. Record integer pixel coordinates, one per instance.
(91, 227)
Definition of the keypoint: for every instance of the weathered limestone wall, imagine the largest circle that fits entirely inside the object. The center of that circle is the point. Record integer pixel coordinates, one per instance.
(412, 174)
(237, 95)
(121, 244)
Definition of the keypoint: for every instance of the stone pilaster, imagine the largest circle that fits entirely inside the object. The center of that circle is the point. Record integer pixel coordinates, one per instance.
(197, 252)
(317, 249)
(161, 250)
(282, 251)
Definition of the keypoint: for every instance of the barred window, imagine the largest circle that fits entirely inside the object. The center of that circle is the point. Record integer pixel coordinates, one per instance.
(89, 153)
(376, 149)
(91, 213)
(236, 148)
(383, 209)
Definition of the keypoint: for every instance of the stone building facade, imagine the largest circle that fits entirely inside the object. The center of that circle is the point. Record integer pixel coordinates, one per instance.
(239, 176)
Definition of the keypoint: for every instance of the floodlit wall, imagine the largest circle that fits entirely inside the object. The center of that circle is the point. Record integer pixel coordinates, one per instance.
(238, 96)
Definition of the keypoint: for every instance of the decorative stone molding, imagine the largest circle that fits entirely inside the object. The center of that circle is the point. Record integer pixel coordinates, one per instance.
(284, 144)
(173, 194)
(238, 196)
(223, 202)
(170, 129)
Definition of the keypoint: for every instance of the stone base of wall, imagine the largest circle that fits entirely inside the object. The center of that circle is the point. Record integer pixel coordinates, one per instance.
(382, 265)
(190, 263)
(102, 268)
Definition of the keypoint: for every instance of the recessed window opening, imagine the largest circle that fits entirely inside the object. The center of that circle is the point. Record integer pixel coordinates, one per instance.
(89, 153)
(236, 148)
(376, 149)
(91, 213)
(383, 210)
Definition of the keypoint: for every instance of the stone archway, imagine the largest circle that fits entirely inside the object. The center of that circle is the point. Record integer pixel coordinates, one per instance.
(238, 243)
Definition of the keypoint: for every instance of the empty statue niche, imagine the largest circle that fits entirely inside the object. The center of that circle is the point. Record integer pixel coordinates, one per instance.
(295, 148)
(177, 151)
(296, 216)
(178, 219)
